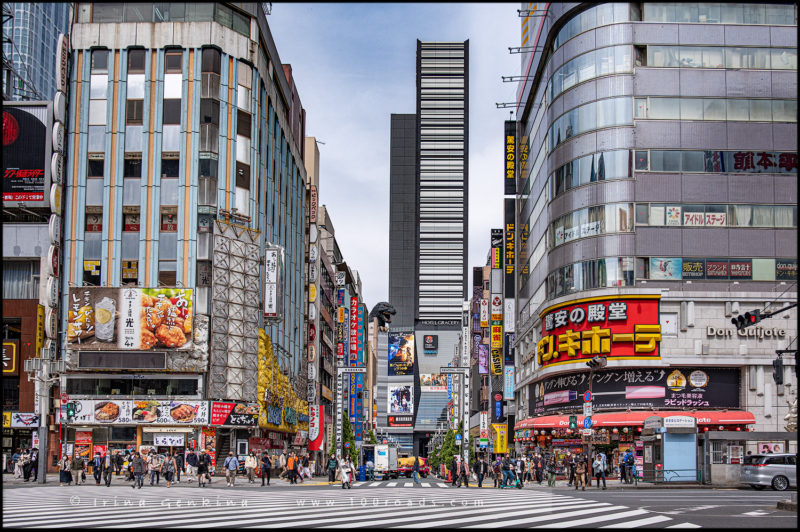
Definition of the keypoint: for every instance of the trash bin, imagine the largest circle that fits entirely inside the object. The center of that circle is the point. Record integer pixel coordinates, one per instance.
(362, 473)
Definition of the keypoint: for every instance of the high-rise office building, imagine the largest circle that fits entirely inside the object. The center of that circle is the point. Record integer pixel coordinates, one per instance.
(656, 202)
(30, 35)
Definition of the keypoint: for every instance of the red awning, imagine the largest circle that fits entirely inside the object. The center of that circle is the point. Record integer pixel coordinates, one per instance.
(614, 419)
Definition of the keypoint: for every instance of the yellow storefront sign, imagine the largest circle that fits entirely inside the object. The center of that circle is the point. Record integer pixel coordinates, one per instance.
(500, 438)
(6, 419)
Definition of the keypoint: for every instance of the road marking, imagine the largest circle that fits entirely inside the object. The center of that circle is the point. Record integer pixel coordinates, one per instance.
(592, 520)
(684, 525)
(426, 484)
(391, 484)
(587, 508)
(756, 513)
(639, 522)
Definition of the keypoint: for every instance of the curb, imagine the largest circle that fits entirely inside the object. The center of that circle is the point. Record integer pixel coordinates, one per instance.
(790, 506)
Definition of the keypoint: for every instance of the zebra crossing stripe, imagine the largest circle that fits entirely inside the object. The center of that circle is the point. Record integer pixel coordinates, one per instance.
(639, 522)
(391, 484)
(426, 484)
(684, 525)
(527, 511)
(594, 519)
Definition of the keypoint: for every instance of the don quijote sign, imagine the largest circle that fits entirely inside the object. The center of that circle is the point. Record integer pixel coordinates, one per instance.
(759, 333)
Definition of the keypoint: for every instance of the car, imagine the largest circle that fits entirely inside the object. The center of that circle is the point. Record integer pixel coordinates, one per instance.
(776, 470)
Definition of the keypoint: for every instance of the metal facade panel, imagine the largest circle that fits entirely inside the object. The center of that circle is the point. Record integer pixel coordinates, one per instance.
(784, 84)
(656, 33)
(752, 242)
(613, 34)
(574, 148)
(579, 44)
(702, 82)
(656, 242)
(787, 185)
(574, 199)
(622, 245)
(702, 135)
(786, 242)
(611, 86)
(746, 35)
(614, 138)
(784, 137)
(749, 135)
(579, 95)
(656, 82)
(704, 188)
(658, 134)
(658, 187)
(744, 188)
(748, 83)
(783, 36)
(696, 34)
(703, 242)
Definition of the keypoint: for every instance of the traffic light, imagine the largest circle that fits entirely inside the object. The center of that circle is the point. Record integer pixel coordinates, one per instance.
(746, 320)
(597, 362)
(70, 410)
(573, 422)
(777, 370)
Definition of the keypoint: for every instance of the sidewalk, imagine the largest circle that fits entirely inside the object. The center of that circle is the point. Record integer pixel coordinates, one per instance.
(216, 480)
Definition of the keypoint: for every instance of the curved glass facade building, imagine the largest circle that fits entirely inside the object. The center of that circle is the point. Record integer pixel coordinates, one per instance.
(661, 142)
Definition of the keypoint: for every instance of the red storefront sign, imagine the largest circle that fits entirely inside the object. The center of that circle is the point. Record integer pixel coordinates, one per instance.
(315, 424)
(83, 437)
(614, 327)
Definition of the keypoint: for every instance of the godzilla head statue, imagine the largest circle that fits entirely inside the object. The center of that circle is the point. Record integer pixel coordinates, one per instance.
(384, 312)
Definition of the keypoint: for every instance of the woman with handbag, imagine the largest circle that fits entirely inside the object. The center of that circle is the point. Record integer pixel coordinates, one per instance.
(64, 474)
(169, 468)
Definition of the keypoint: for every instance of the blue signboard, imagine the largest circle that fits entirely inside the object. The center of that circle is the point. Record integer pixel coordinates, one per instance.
(587, 422)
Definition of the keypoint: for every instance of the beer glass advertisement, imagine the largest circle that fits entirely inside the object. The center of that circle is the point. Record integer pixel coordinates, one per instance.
(401, 353)
(664, 388)
(103, 319)
(401, 399)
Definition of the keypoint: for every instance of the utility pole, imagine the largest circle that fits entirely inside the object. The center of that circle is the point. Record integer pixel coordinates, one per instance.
(45, 373)
(596, 362)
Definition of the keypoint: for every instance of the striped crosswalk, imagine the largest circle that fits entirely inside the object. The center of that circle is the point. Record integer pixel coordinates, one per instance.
(404, 506)
(399, 484)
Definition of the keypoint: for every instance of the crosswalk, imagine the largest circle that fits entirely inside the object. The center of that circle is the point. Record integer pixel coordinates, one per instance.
(181, 507)
(401, 484)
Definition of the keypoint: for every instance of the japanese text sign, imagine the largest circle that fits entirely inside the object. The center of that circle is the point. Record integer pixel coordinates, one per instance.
(234, 414)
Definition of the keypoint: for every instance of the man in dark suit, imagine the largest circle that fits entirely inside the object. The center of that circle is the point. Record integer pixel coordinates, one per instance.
(480, 468)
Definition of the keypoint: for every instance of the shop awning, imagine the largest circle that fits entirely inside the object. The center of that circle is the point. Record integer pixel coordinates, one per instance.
(623, 419)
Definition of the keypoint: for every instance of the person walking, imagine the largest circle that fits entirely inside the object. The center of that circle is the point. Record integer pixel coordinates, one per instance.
(571, 464)
(139, 466)
(170, 467)
(627, 466)
(282, 461)
(64, 474)
(599, 465)
(415, 471)
(344, 468)
(506, 468)
(497, 472)
(203, 464)
(97, 467)
(479, 468)
(191, 465)
(455, 471)
(306, 468)
(539, 463)
(35, 463)
(231, 464)
(464, 472)
(179, 461)
(250, 465)
(551, 472)
(521, 470)
(78, 466)
(266, 467)
(580, 473)
(118, 461)
(332, 465)
(370, 470)
(15, 458)
(108, 467)
(25, 464)
(155, 462)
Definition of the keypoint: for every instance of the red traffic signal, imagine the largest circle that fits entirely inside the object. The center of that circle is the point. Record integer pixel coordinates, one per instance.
(747, 319)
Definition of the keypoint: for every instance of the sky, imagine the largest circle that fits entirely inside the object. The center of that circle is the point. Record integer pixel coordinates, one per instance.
(354, 65)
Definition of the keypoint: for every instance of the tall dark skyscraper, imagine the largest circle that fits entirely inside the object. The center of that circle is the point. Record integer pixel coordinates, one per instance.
(433, 201)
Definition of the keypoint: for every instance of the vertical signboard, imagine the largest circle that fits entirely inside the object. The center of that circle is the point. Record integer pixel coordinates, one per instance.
(510, 247)
(315, 427)
(484, 314)
(312, 206)
(510, 169)
(273, 281)
(497, 249)
(353, 331)
(484, 437)
(508, 388)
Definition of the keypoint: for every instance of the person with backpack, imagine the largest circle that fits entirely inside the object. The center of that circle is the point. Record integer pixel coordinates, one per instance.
(332, 468)
(203, 465)
(628, 463)
(139, 466)
(169, 467)
(266, 467)
(580, 473)
(231, 465)
(155, 462)
(599, 465)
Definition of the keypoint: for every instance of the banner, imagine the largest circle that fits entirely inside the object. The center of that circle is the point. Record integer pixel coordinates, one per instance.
(24, 420)
(500, 438)
(483, 359)
(510, 167)
(484, 436)
(644, 388)
(234, 414)
(103, 319)
(25, 154)
(401, 399)
(127, 412)
(508, 388)
(484, 312)
(510, 248)
(622, 327)
(401, 353)
(315, 427)
(433, 382)
(354, 331)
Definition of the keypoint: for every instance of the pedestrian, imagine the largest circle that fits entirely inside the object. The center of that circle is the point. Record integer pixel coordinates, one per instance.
(551, 472)
(179, 461)
(25, 464)
(370, 469)
(415, 471)
(571, 464)
(231, 465)
(455, 471)
(191, 465)
(155, 462)
(521, 470)
(203, 463)
(35, 463)
(580, 472)
(250, 466)
(479, 468)
(64, 473)
(78, 466)
(282, 461)
(599, 465)
(497, 472)
(97, 467)
(344, 468)
(169, 468)
(332, 466)
(506, 469)
(108, 468)
(118, 461)
(139, 465)
(464, 472)
(306, 468)
(266, 467)
(539, 464)
(15, 458)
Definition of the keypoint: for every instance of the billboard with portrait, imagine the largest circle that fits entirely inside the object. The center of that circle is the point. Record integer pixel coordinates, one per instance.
(104, 319)
(401, 353)
(401, 399)
(433, 382)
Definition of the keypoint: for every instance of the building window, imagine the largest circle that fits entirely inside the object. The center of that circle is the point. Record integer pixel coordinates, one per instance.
(95, 167)
(91, 272)
(134, 112)
(99, 61)
(173, 61)
(132, 167)
(20, 279)
(136, 61)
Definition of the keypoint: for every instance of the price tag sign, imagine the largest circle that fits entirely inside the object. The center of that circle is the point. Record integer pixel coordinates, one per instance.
(587, 432)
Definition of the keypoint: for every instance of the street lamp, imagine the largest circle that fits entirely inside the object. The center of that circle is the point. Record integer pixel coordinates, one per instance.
(45, 373)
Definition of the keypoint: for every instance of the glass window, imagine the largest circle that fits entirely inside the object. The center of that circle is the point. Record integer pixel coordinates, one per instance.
(172, 112)
(243, 149)
(94, 192)
(783, 59)
(690, 56)
(713, 109)
(740, 215)
(134, 112)
(604, 60)
(171, 137)
(138, 12)
(133, 138)
(136, 60)
(169, 191)
(243, 124)
(763, 269)
(731, 13)
(98, 86)
(95, 167)
(665, 161)
(784, 110)
(738, 109)
(211, 60)
(107, 12)
(708, 13)
(753, 14)
(132, 168)
(173, 86)
(622, 59)
(760, 110)
(170, 168)
(97, 112)
(692, 161)
(642, 213)
(209, 111)
(586, 67)
(243, 98)
(167, 273)
(99, 59)
(762, 216)
(131, 191)
(780, 14)
(97, 138)
(712, 57)
(664, 108)
(173, 60)
(785, 216)
(135, 86)
(691, 109)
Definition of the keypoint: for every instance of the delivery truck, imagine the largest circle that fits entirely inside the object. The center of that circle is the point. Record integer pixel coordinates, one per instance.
(386, 461)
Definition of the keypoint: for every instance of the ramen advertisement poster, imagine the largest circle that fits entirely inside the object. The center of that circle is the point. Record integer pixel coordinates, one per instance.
(129, 319)
(149, 412)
